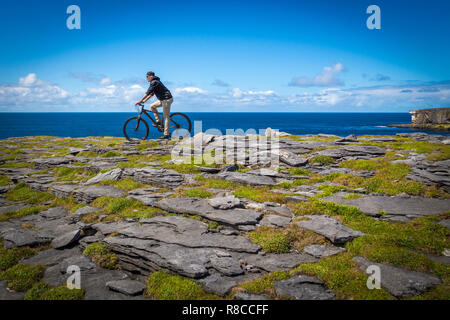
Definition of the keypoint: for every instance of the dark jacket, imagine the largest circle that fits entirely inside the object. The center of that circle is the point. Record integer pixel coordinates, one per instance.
(158, 89)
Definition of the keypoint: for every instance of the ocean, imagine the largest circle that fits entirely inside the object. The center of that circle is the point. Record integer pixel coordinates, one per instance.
(110, 124)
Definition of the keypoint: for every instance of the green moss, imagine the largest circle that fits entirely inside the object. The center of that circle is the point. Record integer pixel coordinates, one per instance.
(100, 254)
(10, 257)
(352, 196)
(43, 291)
(88, 154)
(111, 154)
(144, 145)
(264, 285)
(259, 194)
(285, 185)
(164, 286)
(300, 171)
(328, 190)
(370, 164)
(196, 193)
(21, 212)
(72, 174)
(324, 160)
(21, 277)
(13, 164)
(271, 240)
(142, 213)
(21, 192)
(343, 277)
(126, 184)
(216, 183)
(111, 205)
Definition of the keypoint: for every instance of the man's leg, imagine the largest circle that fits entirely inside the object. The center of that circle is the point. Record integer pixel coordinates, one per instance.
(153, 107)
(166, 111)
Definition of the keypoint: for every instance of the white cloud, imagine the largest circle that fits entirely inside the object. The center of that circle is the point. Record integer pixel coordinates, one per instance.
(328, 77)
(189, 90)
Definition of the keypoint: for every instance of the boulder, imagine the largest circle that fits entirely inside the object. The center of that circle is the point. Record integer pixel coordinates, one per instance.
(322, 251)
(109, 175)
(160, 177)
(224, 202)
(128, 287)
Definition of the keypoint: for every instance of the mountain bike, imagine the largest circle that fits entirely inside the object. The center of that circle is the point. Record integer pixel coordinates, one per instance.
(136, 128)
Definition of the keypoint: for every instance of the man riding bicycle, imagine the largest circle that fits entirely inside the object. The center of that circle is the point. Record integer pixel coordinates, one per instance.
(165, 100)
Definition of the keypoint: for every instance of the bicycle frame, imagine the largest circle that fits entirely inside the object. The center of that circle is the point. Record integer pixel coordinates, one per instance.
(146, 113)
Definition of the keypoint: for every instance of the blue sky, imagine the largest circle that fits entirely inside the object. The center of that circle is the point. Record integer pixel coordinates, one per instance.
(261, 56)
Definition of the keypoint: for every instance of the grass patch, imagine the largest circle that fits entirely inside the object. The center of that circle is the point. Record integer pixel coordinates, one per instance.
(324, 160)
(196, 193)
(16, 165)
(300, 171)
(259, 194)
(21, 277)
(100, 254)
(126, 184)
(43, 291)
(4, 181)
(111, 154)
(271, 239)
(264, 285)
(21, 213)
(164, 286)
(21, 192)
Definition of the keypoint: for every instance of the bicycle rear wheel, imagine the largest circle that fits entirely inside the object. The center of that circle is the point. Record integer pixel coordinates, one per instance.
(135, 129)
(179, 125)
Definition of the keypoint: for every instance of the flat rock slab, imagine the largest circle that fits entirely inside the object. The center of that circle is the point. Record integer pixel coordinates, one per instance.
(394, 206)
(201, 207)
(188, 233)
(400, 282)
(247, 179)
(330, 228)
(62, 190)
(51, 257)
(273, 220)
(128, 287)
(13, 207)
(89, 194)
(322, 251)
(278, 262)
(160, 177)
(149, 199)
(301, 287)
(292, 159)
(14, 237)
(223, 203)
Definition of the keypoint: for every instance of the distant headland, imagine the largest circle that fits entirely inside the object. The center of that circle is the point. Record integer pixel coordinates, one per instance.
(437, 119)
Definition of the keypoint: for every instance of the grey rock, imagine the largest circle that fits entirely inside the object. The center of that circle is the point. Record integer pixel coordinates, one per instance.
(13, 207)
(142, 191)
(109, 175)
(202, 208)
(66, 239)
(90, 193)
(229, 168)
(303, 287)
(249, 296)
(394, 206)
(226, 265)
(81, 261)
(400, 282)
(51, 257)
(6, 294)
(24, 237)
(292, 159)
(44, 163)
(160, 177)
(275, 221)
(62, 191)
(80, 213)
(54, 213)
(330, 228)
(322, 251)
(128, 287)
(110, 227)
(445, 223)
(247, 179)
(149, 199)
(224, 202)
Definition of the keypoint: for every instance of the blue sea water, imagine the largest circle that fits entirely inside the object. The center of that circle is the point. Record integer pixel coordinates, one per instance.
(110, 124)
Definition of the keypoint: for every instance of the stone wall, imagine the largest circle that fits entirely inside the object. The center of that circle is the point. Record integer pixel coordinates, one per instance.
(430, 116)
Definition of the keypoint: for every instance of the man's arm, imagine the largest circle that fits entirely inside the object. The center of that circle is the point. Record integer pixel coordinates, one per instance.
(144, 99)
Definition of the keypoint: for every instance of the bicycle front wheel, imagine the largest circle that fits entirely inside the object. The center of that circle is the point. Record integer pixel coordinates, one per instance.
(135, 129)
(179, 125)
